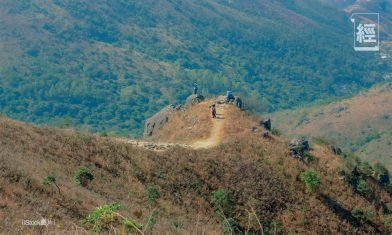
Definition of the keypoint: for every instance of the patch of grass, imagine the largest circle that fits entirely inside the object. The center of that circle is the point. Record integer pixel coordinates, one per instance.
(322, 141)
(152, 194)
(311, 180)
(103, 218)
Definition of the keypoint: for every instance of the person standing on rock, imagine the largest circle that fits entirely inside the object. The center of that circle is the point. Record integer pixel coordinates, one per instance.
(195, 88)
(229, 95)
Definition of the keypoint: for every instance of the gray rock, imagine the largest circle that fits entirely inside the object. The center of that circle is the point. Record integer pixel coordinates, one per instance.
(335, 149)
(154, 123)
(266, 123)
(193, 99)
(298, 146)
(266, 134)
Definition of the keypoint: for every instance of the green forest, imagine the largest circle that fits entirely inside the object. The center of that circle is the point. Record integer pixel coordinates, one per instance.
(105, 66)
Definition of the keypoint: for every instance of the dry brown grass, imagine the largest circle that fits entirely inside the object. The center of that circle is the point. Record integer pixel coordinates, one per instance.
(186, 127)
(258, 174)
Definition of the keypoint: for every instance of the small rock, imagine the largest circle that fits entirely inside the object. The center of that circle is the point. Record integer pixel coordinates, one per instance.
(266, 134)
(193, 99)
(335, 149)
(298, 146)
(266, 123)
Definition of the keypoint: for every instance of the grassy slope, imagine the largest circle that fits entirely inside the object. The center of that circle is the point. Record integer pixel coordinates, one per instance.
(362, 124)
(257, 173)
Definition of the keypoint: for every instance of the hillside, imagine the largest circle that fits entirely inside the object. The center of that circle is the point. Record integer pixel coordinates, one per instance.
(245, 184)
(105, 66)
(361, 124)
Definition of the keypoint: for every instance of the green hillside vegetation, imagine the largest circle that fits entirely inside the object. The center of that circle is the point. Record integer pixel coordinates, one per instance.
(105, 66)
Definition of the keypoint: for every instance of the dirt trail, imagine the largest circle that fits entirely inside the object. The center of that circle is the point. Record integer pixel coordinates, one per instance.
(217, 131)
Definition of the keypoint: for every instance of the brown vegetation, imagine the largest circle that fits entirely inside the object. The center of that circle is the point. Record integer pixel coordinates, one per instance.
(261, 179)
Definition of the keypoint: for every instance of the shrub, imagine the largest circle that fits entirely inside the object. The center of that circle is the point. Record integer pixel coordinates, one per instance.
(357, 213)
(308, 157)
(229, 225)
(103, 218)
(49, 180)
(365, 168)
(361, 214)
(83, 176)
(363, 187)
(381, 174)
(222, 204)
(152, 194)
(311, 180)
(220, 200)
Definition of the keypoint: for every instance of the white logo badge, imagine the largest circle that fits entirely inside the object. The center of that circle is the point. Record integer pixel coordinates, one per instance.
(366, 31)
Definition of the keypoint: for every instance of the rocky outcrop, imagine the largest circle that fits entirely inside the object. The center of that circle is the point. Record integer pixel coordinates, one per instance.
(298, 146)
(266, 123)
(193, 99)
(154, 123)
(335, 149)
(234, 101)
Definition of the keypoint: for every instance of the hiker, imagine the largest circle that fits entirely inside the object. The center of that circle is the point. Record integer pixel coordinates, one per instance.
(195, 88)
(229, 95)
(213, 111)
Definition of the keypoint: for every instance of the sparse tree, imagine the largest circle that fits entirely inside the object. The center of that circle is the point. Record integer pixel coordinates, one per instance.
(49, 180)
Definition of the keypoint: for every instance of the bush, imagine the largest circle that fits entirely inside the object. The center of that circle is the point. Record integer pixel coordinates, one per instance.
(363, 187)
(366, 169)
(311, 180)
(308, 157)
(222, 205)
(381, 174)
(220, 200)
(361, 214)
(83, 176)
(49, 180)
(104, 217)
(152, 194)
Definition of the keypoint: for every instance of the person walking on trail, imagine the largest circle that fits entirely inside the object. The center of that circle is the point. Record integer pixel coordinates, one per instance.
(213, 111)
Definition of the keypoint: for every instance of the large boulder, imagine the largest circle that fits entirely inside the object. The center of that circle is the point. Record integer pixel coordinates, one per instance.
(298, 146)
(193, 99)
(154, 123)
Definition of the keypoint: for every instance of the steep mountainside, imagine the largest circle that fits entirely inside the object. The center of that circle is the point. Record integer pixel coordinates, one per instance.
(107, 65)
(249, 184)
(362, 124)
